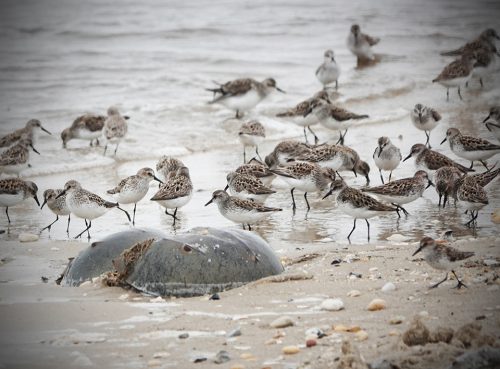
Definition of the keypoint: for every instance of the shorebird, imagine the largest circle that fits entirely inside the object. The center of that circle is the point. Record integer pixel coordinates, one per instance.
(353, 163)
(257, 169)
(402, 191)
(167, 167)
(472, 195)
(16, 158)
(132, 189)
(356, 204)
(492, 122)
(175, 192)
(31, 131)
(297, 114)
(485, 178)
(243, 94)
(237, 210)
(456, 73)
(469, 147)
(307, 177)
(86, 205)
(246, 186)
(445, 178)
(115, 128)
(386, 156)
(485, 39)
(85, 127)
(14, 191)
(57, 205)
(251, 134)
(286, 151)
(329, 71)
(485, 63)
(442, 257)
(430, 160)
(360, 44)
(425, 119)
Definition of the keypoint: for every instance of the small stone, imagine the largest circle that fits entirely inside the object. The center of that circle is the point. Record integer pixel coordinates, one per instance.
(354, 275)
(238, 366)
(354, 329)
(353, 293)
(290, 350)
(373, 269)
(234, 333)
(389, 287)
(247, 356)
(160, 355)
(282, 322)
(361, 336)
(396, 237)
(495, 216)
(199, 359)
(311, 342)
(376, 304)
(340, 328)
(423, 314)
(222, 357)
(154, 362)
(396, 320)
(183, 336)
(394, 333)
(44, 279)
(332, 305)
(122, 297)
(215, 296)
(28, 237)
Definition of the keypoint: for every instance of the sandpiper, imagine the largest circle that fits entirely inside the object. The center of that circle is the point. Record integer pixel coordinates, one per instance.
(86, 205)
(296, 114)
(57, 205)
(132, 189)
(485, 63)
(441, 257)
(386, 156)
(167, 167)
(238, 210)
(327, 156)
(85, 127)
(430, 160)
(353, 163)
(356, 204)
(402, 191)
(246, 186)
(285, 151)
(486, 38)
(175, 192)
(243, 94)
(14, 191)
(329, 71)
(16, 158)
(115, 128)
(492, 122)
(307, 177)
(469, 147)
(251, 134)
(31, 130)
(485, 178)
(334, 117)
(445, 178)
(257, 169)
(456, 73)
(360, 44)
(425, 119)
(472, 195)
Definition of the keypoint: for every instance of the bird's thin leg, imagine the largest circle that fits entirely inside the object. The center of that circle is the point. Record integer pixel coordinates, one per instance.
(96, 142)
(244, 155)
(116, 148)
(439, 203)
(88, 230)
(390, 175)
(133, 218)
(471, 164)
(368, 225)
(293, 200)
(447, 94)
(481, 82)
(352, 230)
(249, 227)
(445, 200)
(7, 212)
(381, 176)
(87, 226)
(459, 94)
(244, 226)
(437, 284)
(257, 152)
(105, 149)
(460, 284)
(316, 139)
(336, 85)
(69, 220)
(427, 140)
(484, 164)
(50, 225)
(307, 202)
(305, 135)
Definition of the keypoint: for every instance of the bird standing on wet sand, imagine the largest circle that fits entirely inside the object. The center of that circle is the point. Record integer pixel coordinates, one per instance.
(356, 204)
(31, 131)
(485, 39)
(85, 204)
(328, 72)
(85, 127)
(14, 191)
(251, 134)
(16, 158)
(115, 128)
(360, 44)
(246, 186)
(237, 210)
(57, 205)
(441, 257)
(167, 167)
(430, 160)
(132, 189)
(425, 119)
(445, 179)
(243, 94)
(258, 170)
(386, 156)
(456, 73)
(474, 197)
(286, 151)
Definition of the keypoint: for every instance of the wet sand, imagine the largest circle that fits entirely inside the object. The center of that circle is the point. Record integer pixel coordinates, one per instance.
(49, 326)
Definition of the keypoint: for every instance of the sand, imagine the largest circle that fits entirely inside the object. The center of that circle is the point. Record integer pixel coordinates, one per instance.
(44, 325)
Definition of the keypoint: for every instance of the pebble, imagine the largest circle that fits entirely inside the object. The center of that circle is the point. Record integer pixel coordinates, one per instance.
(247, 356)
(394, 333)
(156, 299)
(282, 322)
(161, 355)
(238, 366)
(361, 336)
(315, 333)
(389, 287)
(222, 357)
(311, 342)
(183, 336)
(396, 320)
(290, 350)
(235, 332)
(340, 328)
(353, 293)
(28, 237)
(122, 297)
(215, 296)
(396, 237)
(54, 249)
(154, 362)
(374, 269)
(423, 314)
(376, 304)
(332, 305)
(495, 216)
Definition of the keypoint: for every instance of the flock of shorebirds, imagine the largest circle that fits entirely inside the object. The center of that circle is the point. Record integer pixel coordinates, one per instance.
(304, 166)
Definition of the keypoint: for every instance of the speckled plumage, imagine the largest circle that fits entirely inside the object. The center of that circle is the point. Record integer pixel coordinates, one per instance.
(251, 134)
(484, 40)
(456, 73)
(445, 178)
(474, 197)
(115, 128)
(30, 131)
(87, 126)
(247, 187)
(430, 160)
(426, 119)
(16, 158)
(286, 150)
(168, 166)
(15, 190)
(257, 169)
(57, 205)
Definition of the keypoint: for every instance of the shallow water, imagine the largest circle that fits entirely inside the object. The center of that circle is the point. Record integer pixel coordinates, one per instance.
(61, 59)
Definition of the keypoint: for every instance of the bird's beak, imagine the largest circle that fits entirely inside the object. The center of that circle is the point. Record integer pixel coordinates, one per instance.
(367, 180)
(442, 142)
(61, 194)
(379, 151)
(44, 202)
(157, 179)
(327, 194)
(418, 250)
(37, 202)
(488, 117)
(420, 116)
(35, 150)
(46, 131)
(430, 184)
(225, 188)
(208, 203)
(409, 156)
(280, 90)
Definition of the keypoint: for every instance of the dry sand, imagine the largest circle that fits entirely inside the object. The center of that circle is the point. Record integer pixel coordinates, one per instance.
(45, 325)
